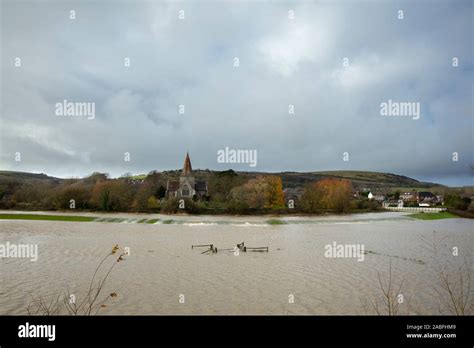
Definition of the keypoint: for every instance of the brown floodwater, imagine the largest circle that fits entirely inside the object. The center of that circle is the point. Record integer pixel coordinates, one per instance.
(294, 277)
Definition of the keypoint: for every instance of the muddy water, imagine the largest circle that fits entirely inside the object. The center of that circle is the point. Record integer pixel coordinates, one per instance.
(162, 266)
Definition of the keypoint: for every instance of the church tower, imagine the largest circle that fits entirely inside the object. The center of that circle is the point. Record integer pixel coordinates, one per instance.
(187, 186)
(187, 168)
(187, 181)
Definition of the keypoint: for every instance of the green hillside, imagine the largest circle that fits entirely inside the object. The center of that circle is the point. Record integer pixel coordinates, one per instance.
(289, 179)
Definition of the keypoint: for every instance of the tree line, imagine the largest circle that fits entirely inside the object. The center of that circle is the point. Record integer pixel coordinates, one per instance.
(228, 193)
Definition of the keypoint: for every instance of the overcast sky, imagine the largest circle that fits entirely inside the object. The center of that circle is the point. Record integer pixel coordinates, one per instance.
(282, 62)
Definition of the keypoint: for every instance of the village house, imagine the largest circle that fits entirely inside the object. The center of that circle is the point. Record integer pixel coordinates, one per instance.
(393, 203)
(408, 196)
(187, 186)
(426, 198)
(362, 192)
(422, 198)
(379, 197)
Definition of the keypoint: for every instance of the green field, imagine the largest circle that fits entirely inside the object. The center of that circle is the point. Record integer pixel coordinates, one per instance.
(70, 218)
(433, 216)
(46, 217)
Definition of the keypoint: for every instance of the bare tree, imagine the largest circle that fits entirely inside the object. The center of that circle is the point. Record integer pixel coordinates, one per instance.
(391, 296)
(454, 290)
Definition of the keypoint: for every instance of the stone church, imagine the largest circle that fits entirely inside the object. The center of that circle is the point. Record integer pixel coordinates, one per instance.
(187, 186)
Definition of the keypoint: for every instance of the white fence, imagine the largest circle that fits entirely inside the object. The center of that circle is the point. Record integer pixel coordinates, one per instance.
(417, 209)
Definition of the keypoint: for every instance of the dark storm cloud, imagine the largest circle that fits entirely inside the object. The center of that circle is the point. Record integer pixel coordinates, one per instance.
(190, 62)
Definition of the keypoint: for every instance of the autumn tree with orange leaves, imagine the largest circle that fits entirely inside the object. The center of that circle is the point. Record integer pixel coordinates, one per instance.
(261, 192)
(327, 195)
(274, 197)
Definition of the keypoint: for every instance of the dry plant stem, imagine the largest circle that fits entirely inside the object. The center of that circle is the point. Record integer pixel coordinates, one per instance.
(89, 305)
(95, 273)
(101, 284)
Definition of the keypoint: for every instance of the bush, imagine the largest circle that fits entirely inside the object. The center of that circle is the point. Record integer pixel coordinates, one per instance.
(263, 192)
(170, 206)
(327, 195)
(366, 204)
(153, 204)
(113, 195)
(457, 202)
(80, 193)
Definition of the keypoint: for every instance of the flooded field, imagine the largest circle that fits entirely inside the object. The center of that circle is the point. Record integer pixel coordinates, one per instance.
(163, 275)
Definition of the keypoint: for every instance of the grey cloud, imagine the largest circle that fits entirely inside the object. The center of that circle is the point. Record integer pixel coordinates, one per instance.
(282, 62)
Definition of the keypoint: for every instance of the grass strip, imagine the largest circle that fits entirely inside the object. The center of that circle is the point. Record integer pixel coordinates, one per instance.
(47, 217)
(433, 216)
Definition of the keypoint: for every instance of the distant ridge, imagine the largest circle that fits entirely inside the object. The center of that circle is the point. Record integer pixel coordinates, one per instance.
(289, 178)
(25, 176)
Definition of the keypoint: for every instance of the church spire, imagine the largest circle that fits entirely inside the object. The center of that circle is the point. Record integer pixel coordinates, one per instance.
(187, 169)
